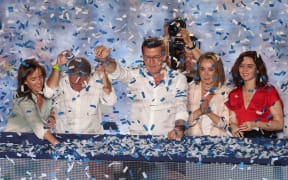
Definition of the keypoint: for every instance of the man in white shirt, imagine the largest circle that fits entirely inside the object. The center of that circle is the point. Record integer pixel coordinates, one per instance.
(158, 94)
(78, 95)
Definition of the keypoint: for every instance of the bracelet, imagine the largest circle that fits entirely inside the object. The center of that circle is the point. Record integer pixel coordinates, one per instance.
(57, 67)
(191, 48)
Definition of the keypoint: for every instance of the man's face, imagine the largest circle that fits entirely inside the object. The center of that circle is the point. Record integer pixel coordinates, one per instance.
(153, 59)
(190, 63)
(77, 82)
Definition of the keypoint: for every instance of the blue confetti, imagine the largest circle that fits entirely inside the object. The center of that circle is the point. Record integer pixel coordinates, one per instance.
(258, 119)
(110, 5)
(208, 109)
(60, 113)
(186, 124)
(93, 106)
(282, 73)
(150, 43)
(269, 116)
(131, 174)
(143, 94)
(10, 9)
(135, 155)
(152, 127)
(241, 165)
(133, 81)
(269, 88)
(145, 127)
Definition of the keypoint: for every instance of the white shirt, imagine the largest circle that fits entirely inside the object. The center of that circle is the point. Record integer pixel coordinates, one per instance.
(154, 108)
(79, 112)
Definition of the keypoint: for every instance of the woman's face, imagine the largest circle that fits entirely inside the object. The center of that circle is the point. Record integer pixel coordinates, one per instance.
(207, 71)
(35, 81)
(247, 69)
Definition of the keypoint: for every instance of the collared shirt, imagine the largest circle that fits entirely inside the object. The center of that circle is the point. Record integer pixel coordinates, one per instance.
(79, 112)
(27, 117)
(155, 108)
(204, 126)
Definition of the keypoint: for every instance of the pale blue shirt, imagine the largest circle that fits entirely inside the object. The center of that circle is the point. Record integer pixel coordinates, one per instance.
(27, 117)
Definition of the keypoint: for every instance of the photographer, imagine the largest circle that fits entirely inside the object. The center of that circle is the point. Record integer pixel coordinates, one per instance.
(181, 48)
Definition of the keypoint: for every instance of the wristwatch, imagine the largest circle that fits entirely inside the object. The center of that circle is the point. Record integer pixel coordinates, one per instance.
(191, 48)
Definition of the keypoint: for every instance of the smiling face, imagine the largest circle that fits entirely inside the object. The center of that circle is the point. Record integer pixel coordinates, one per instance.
(207, 71)
(153, 59)
(247, 69)
(35, 81)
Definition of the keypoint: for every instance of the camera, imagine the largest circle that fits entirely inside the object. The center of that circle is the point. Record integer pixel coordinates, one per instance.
(175, 25)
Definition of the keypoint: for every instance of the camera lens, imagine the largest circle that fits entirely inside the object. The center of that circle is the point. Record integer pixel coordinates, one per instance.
(175, 25)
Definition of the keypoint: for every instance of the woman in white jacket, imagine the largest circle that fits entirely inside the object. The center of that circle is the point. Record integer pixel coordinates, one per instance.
(206, 97)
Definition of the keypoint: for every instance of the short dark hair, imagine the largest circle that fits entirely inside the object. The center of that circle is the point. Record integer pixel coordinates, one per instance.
(153, 42)
(262, 77)
(27, 67)
(220, 74)
(79, 66)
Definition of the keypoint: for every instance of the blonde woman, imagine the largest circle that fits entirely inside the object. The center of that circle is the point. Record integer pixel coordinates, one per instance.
(206, 97)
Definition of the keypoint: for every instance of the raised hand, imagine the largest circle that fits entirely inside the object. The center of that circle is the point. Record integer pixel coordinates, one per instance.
(102, 53)
(62, 57)
(186, 36)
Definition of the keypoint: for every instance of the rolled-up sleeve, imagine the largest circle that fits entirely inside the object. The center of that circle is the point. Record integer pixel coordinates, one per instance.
(181, 98)
(109, 99)
(121, 74)
(48, 92)
(224, 123)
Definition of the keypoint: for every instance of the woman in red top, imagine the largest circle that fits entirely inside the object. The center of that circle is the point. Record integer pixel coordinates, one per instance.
(256, 109)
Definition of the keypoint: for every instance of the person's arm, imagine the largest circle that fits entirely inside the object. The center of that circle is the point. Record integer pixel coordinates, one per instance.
(191, 48)
(54, 78)
(33, 118)
(107, 95)
(178, 132)
(166, 38)
(181, 117)
(214, 117)
(235, 130)
(50, 138)
(107, 87)
(276, 124)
